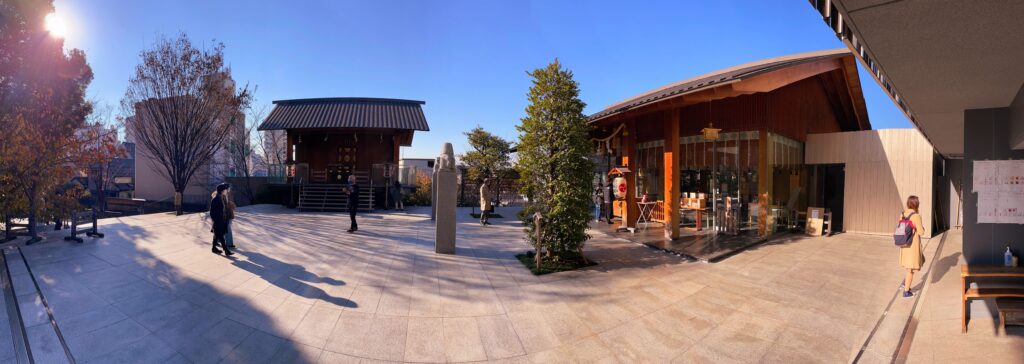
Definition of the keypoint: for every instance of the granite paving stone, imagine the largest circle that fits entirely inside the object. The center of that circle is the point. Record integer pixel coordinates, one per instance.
(301, 290)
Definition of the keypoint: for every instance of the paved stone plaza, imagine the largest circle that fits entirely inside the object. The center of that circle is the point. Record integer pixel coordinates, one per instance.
(300, 289)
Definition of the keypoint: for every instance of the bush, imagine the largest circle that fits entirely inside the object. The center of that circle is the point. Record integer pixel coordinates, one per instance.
(420, 195)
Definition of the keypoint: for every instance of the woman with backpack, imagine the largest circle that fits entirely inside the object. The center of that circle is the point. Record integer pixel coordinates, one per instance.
(911, 256)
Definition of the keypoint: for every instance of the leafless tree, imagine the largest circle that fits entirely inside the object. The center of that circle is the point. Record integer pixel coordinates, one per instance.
(241, 153)
(272, 144)
(103, 150)
(183, 103)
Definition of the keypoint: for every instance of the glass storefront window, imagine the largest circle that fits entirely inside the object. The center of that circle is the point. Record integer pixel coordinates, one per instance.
(726, 169)
(649, 176)
(786, 181)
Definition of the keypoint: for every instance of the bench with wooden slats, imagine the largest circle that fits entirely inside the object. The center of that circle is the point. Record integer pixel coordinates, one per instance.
(986, 271)
(993, 292)
(1009, 304)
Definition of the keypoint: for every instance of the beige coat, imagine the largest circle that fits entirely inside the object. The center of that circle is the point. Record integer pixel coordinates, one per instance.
(485, 197)
(911, 257)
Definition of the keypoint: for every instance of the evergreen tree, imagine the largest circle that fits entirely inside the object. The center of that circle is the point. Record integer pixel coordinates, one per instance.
(489, 157)
(553, 163)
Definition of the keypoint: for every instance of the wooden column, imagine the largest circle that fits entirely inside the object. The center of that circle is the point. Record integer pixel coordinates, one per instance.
(396, 142)
(288, 155)
(671, 172)
(764, 176)
(630, 161)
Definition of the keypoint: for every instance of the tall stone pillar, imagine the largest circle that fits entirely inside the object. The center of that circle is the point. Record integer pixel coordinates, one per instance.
(446, 189)
(433, 189)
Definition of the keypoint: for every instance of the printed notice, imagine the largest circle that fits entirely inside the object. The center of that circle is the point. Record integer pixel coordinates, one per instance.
(1000, 189)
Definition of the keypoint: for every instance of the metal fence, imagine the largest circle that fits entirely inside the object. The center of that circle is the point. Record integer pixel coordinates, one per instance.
(506, 193)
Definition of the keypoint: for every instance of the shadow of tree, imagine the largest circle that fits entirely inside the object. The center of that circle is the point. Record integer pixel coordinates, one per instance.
(138, 296)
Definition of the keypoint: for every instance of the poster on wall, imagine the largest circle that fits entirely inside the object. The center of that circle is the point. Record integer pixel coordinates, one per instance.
(1000, 189)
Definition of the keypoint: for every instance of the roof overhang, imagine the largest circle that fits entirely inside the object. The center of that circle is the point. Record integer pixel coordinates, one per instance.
(936, 59)
(349, 113)
(755, 77)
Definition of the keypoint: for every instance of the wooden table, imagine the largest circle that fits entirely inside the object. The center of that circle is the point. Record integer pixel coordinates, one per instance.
(698, 211)
(985, 271)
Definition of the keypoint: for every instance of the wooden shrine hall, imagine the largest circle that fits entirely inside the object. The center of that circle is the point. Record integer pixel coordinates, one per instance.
(726, 149)
(329, 139)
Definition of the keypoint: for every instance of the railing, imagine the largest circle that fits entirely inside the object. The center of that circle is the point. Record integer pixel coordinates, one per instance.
(277, 174)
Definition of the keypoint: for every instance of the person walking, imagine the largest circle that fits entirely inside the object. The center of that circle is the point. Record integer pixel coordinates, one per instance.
(911, 256)
(485, 202)
(229, 198)
(396, 195)
(608, 195)
(218, 213)
(353, 202)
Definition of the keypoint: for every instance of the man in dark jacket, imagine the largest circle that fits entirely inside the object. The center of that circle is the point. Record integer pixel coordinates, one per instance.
(608, 197)
(219, 216)
(353, 202)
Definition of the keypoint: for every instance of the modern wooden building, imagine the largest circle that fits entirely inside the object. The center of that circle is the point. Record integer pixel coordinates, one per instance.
(329, 139)
(754, 175)
(877, 171)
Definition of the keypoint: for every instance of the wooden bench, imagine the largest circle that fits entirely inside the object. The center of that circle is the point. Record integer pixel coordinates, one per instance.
(986, 271)
(1008, 305)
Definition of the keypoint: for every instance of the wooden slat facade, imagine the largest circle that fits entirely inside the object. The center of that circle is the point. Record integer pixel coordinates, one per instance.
(883, 169)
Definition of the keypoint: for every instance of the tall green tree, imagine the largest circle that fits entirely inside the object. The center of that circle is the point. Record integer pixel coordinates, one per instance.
(553, 163)
(42, 108)
(490, 157)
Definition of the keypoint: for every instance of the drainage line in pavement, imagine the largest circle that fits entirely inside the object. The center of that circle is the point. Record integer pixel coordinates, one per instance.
(888, 307)
(906, 329)
(20, 338)
(874, 329)
(46, 305)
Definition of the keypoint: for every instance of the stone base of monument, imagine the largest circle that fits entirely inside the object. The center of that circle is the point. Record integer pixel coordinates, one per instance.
(444, 202)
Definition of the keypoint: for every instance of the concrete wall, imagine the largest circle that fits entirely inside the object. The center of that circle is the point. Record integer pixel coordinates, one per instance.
(985, 138)
(152, 184)
(955, 173)
(1017, 121)
(883, 168)
(260, 188)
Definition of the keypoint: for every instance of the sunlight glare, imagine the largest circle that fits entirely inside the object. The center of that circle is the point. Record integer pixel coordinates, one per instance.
(55, 25)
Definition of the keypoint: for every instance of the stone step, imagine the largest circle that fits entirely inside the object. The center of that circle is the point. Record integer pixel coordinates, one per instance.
(34, 334)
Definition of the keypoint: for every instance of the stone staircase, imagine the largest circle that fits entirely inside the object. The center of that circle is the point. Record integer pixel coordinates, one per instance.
(331, 197)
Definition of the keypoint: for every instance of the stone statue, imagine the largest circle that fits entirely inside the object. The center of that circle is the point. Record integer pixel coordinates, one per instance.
(447, 157)
(444, 200)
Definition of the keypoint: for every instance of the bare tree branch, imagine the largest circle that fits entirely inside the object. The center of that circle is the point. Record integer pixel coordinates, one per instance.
(183, 104)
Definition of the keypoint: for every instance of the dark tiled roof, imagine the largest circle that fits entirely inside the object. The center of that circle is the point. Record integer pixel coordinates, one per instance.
(717, 78)
(346, 112)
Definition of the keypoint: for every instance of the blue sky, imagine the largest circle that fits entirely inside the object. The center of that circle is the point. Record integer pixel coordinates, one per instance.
(466, 59)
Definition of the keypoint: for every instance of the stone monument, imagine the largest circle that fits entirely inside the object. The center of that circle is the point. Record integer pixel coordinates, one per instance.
(444, 201)
(433, 189)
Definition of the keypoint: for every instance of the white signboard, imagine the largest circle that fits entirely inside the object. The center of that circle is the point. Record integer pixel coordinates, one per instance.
(1000, 189)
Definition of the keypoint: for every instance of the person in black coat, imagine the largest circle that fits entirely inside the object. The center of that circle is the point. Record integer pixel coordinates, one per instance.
(353, 202)
(219, 215)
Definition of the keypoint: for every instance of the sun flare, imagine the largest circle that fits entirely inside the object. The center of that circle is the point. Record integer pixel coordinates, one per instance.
(55, 25)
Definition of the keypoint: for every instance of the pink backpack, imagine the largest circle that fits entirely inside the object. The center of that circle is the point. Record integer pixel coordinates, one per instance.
(905, 230)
